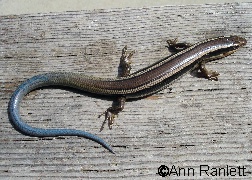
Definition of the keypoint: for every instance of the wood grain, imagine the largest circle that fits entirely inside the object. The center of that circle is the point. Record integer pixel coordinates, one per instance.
(196, 122)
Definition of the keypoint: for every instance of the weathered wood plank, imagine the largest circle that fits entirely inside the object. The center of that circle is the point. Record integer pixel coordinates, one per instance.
(198, 122)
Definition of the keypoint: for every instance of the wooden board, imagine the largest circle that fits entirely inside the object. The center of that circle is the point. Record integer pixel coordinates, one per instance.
(197, 122)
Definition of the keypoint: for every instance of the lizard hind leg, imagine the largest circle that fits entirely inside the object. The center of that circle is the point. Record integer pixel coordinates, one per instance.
(118, 104)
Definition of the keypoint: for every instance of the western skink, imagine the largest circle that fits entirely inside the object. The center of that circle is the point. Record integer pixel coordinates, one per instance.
(139, 84)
